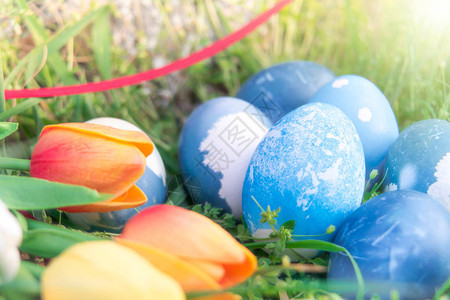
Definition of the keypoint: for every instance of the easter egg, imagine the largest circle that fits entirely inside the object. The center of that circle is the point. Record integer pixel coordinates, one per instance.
(369, 111)
(420, 160)
(311, 165)
(152, 183)
(215, 147)
(283, 87)
(400, 241)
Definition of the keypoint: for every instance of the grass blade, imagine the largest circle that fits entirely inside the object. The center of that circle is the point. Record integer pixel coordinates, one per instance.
(101, 44)
(330, 247)
(19, 108)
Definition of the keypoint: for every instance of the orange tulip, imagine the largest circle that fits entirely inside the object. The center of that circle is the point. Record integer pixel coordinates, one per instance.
(95, 156)
(189, 247)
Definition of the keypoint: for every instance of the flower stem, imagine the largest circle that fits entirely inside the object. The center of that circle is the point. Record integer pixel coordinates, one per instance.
(14, 163)
(257, 245)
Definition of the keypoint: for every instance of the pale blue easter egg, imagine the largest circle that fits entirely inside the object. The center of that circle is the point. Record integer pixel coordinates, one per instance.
(420, 160)
(311, 165)
(215, 147)
(152, 183)
(283, 87)
(370, 112)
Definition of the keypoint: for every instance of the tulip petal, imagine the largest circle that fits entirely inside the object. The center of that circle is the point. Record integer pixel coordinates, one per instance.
(105, 270)
(237, 273)
(221, 296)
(134, 197)
(188, 276)
(183, 233)
(213, 270)
(84, 159)
(138, 139)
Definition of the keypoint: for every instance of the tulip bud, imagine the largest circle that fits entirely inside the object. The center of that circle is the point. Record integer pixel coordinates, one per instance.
(10, 239)
(99, 157)
(189, 247)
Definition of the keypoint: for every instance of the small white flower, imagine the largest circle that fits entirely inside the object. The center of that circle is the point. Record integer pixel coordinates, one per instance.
(10, 240)
(391, 187)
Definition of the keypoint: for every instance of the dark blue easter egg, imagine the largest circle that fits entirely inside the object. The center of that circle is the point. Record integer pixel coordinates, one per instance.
(400, 241)
(215, 147)
(311, 165)
(369, 111)
(420, 160)
(152, 183)
(283, 87)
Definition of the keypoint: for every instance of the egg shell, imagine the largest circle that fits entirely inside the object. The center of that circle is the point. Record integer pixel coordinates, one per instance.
(420, 160)
(400, 240)
(215, 147)
(370, 112)
(152, 183)
(283, 87)
(311, 165)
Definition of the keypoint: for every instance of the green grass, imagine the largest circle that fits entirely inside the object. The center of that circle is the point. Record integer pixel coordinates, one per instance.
(405, 54)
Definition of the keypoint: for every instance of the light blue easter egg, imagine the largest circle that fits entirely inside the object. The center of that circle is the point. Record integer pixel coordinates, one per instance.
(152, 183)
(311, 165)
(215, 147)
(370, 112)
(420, 160)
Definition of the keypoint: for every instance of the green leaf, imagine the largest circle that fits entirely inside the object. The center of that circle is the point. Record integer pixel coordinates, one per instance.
(7, 128)
(280, 246)
(21, 219)
(50, 242)
(315, 244)
(20, 192)
(34, 269)
(19, 108)
(289, 225)
(24, 286)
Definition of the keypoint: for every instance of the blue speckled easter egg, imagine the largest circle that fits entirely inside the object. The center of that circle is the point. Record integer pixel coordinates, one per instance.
(370, 112)
(152, 183)
(215, 147)
(400, 240)
(420, 160)
(311, 165)
(283, 87)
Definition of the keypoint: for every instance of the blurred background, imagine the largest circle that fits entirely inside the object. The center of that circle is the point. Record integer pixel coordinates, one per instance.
(402, 46)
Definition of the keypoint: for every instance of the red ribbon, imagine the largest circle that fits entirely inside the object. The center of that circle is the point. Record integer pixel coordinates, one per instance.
(180, 64)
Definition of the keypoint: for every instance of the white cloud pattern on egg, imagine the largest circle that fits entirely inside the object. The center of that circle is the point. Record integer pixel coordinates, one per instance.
(365, 114)
(337, 84)
(440, 190)
(229, 153)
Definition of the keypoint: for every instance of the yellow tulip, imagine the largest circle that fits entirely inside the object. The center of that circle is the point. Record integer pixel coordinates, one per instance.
(106, 270)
